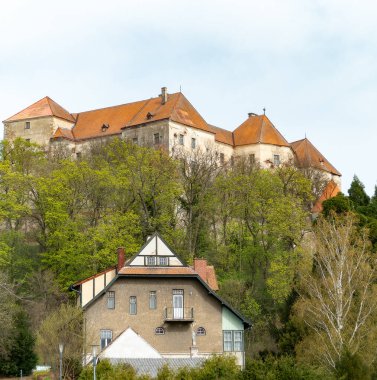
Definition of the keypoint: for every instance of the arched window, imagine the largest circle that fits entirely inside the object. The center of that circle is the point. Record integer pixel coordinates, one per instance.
(201, 331)
(159, 331)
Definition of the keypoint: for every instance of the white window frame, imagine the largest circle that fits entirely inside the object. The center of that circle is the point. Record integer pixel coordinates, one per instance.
(151, 261)
(111, 300)
(159, 331)
(201, 331)
(133, 305)
(163, 261)
(276, 159)
(106, 336)
(152, 299)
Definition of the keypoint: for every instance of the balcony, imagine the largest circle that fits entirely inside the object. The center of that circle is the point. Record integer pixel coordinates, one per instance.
(182, 314)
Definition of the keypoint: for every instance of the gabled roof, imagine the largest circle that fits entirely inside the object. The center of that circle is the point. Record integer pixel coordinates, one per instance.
(129, 345)
(258, 129)
(331, 190)
(63, 133)
(308, 155)
(222, 135)
(43, 107)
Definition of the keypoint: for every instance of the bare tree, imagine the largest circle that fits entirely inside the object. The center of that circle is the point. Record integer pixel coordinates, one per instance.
(338, 297)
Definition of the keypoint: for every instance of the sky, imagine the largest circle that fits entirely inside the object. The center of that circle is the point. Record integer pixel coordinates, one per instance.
(311, 63)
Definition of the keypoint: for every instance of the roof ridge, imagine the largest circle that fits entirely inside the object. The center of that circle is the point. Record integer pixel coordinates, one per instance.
(261, 128)
(24, 109)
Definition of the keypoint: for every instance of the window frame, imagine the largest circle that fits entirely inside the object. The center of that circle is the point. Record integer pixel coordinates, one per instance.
(152, 300)
(222, 158)
(193, 142)
(156, 139)
(111, 299)
(106, 337)
(181, 139)
(159, 330)
(277, 159)
(160, 258)
(201, 331)
(27, 125)
(236, 345)
(148, 258)
(133, 305)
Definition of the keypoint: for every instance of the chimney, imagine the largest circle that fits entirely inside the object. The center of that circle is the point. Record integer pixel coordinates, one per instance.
(200, 266)
(164, 95)
(250, 114)
(121, 258)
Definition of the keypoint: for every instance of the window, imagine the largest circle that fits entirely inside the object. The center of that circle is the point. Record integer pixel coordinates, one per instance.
(233, 340)
(106, 338)
(276, 160)
(252, 158)
(181, 140)
(238, 341)
(133, 305)
(201, 331)
(222, 158)
(78, 155)
(111, 300)
(28, 140)
(151, 260)
(228, 341)
(163, 261)
(193, 143)
(27, 125)
(159, 331)
(152, 300)
(156, 138)
(135, 140)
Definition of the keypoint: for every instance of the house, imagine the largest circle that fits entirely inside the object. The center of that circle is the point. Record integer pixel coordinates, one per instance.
(155, 306)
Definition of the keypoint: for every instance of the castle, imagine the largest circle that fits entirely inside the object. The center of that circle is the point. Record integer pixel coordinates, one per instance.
(168, 121)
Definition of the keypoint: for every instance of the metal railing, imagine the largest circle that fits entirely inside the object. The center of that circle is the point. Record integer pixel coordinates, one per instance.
(179, 314)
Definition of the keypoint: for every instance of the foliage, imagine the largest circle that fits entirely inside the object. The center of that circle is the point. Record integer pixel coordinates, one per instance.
(338, 297)
(357, 194)
(352, 367)
(21, 354)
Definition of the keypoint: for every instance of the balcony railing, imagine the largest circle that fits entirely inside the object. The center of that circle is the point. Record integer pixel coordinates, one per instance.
(179, 314)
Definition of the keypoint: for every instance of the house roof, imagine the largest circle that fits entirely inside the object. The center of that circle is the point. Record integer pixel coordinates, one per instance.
(222, 135)
(159, 271)
(43, 107)
(129, 345)
(331, 190)
(308, 155)
(64, 133)
(150, 367)
(258, 129)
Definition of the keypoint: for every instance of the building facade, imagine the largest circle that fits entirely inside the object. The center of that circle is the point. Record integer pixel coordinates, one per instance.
(168, 121)
(172, 306)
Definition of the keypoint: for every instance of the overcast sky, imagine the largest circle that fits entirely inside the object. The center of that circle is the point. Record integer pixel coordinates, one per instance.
(312, 64)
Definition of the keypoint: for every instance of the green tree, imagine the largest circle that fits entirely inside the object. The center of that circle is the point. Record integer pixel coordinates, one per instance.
(357, 193)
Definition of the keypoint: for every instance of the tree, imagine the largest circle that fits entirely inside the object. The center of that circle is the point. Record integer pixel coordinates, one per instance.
(357, 193)
(21, 354)
(338, 297)
(64, 325)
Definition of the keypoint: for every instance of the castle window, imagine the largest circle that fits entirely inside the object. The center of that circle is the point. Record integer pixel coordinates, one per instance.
(252, 158)
(28, 140)
(106, 338)
(222, 158)
(156, 138)
(181, 139)
(135, 140)
(133, 305)
(276, 160)
(27, 125)
(159, 331)
(78, 155)
(152, 300)
(193, 143)
(111, 300)
(201, 331)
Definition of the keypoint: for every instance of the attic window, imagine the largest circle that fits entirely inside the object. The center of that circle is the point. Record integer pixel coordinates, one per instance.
(105, 127)
(149, 115)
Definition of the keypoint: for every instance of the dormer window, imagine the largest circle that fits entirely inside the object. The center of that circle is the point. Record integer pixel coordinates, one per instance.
(27, 125)
(105, 127)
(149, 115)
(152, 261)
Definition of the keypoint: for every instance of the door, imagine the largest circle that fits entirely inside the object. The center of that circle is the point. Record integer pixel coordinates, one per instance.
(178, 304)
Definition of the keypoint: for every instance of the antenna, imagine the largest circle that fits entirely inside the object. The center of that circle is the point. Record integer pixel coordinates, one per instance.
(180, 88)
(264, 110)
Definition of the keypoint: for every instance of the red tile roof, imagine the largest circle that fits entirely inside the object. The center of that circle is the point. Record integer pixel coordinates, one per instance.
(222, 135)
(308, 155)
(64, 133)
(43, 107)
(258, 129)
(331, 190)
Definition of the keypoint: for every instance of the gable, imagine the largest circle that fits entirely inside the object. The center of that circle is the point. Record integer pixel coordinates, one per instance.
(156, 253)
